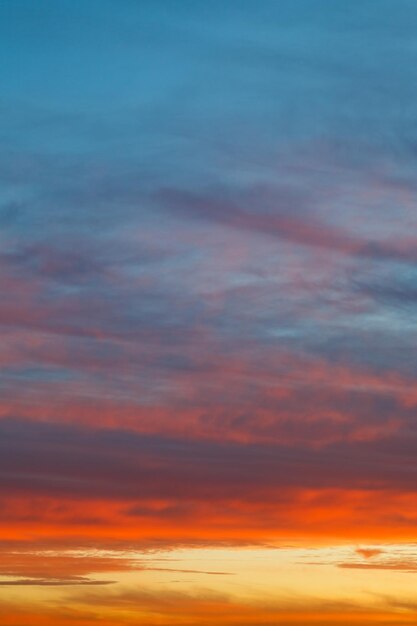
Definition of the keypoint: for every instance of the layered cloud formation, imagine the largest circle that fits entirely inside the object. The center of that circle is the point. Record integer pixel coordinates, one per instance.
(208, 253)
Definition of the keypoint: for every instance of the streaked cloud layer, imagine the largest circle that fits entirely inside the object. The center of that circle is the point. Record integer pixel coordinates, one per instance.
(208, 248)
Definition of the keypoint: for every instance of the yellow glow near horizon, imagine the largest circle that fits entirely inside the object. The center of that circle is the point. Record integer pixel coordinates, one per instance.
(272, 580)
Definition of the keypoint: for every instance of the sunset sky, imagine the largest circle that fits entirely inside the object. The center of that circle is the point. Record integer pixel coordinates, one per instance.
(208, 312)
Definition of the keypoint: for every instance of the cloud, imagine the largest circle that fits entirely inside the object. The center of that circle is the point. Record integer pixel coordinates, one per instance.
(369, 553)
(62, 582)
(293, 224)
(405, 566)
(181, 490)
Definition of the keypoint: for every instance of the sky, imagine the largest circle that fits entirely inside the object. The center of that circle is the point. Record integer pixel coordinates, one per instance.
(208, 330)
